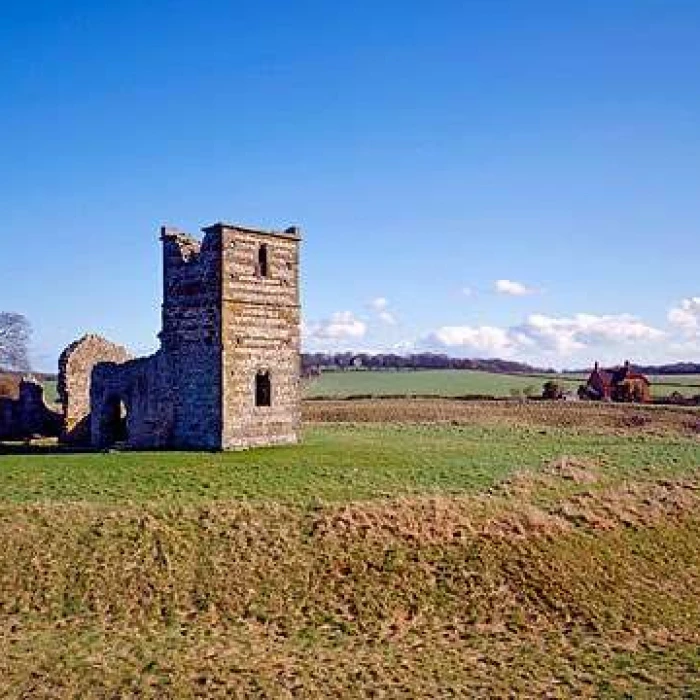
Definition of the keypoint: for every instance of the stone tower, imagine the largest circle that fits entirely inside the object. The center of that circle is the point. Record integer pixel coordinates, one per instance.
(230, 338)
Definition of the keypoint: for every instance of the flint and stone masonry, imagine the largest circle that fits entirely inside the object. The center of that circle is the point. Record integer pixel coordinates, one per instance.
(75, 367)
(227, 372)
(27, 415)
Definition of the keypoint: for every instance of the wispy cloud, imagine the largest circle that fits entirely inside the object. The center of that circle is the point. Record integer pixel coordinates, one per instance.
(342, 325)
(513, 289)
(686, 316)
(380, 305)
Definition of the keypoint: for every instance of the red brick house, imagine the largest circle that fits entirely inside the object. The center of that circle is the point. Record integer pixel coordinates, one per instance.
(618, 384)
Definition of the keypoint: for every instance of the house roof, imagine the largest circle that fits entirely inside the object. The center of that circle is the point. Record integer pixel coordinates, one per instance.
(606, 376)
(638, 375)
(615, 375)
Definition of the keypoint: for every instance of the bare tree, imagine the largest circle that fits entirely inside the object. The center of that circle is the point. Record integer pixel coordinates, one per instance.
(14, 341)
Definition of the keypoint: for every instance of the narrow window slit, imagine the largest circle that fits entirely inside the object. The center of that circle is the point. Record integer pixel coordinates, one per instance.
(263, 267)
(263, 389)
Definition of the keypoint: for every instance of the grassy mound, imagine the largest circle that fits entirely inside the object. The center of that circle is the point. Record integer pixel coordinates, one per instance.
(520, 591)
(402, 560)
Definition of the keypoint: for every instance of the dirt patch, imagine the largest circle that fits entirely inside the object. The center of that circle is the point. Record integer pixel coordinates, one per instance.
(632, 505)
(583, 416)
(574, 469)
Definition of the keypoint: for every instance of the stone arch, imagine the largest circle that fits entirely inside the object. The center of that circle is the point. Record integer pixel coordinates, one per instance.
(74, 378)
(113, 421)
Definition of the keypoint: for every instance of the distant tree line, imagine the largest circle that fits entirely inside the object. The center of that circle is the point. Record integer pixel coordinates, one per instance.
(675, 368)
(313, 363)
(317, 362)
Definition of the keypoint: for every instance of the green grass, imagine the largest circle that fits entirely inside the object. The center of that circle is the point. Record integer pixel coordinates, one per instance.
(335, 463)
(430, 382)
(50, 392)
(685, 380)
(461, 382)
(320, 570)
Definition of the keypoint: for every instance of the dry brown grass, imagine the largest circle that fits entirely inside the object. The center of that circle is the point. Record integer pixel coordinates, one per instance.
(580, 471)
(580, 594)
(584, 416)
(575, 578)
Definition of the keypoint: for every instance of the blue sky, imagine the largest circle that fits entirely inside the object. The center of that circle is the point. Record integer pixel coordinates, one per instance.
(484, 178)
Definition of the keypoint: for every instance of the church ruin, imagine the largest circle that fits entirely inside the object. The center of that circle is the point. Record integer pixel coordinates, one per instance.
(226, 375)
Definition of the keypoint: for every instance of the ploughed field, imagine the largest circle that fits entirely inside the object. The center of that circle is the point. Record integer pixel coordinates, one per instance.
(411, 548)
(451, 383)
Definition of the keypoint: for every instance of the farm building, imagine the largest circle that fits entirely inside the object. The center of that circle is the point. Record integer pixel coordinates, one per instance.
(618, 384)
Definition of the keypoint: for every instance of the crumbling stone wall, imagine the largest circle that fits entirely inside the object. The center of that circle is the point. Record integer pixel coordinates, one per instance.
(28, 415)
(141, 389)
(191, 337)
(230, 318)
(75, 367)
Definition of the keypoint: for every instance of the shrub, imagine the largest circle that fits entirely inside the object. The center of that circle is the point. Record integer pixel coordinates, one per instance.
(552, 390)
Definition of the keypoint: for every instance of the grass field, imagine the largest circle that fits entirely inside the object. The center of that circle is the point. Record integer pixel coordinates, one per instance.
(689, 380)
(335, 463)
(452, 383)
(450, 550)
(50, 392)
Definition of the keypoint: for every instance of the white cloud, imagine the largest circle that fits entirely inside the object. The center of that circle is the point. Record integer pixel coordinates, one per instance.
(467, 291)
(380, 306)
(686, 316)
(546, 335)
(538, 338)
(566, 335)
(341, 325)
(481, 339)
(513, 289)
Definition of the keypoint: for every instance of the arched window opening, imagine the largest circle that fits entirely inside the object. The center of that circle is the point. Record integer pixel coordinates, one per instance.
(263, 266)
(263, 389)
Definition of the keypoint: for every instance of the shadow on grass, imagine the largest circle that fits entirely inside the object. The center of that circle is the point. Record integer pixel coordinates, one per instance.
(55, 448)
(35, 448)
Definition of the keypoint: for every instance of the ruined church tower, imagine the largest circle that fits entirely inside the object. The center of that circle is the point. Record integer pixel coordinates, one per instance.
(230, 338)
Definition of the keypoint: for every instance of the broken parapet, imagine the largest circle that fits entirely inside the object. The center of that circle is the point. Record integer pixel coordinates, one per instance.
(28, 415)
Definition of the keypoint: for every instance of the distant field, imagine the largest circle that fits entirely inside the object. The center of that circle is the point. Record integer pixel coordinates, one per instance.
(450, 383)
(682, 379)
(50, 392)
(433, 382)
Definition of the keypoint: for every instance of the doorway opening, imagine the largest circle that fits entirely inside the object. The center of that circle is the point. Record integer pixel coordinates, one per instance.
(114, 426)
(263, 389)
